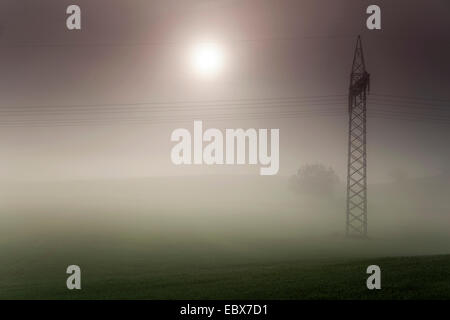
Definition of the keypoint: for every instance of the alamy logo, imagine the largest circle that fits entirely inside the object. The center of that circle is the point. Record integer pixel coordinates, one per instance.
(74, 280)
(234, 151)
(73, 22)
(374, 280)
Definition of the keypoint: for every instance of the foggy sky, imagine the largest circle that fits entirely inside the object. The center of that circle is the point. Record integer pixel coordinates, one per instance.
(136, 51)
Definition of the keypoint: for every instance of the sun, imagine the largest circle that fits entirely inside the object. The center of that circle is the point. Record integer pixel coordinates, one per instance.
(207, 58)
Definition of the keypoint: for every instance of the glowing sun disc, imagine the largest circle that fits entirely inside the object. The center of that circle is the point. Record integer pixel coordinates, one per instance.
(207, 58)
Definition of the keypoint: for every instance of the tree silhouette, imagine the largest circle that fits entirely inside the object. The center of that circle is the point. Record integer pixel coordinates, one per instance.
(315, 179)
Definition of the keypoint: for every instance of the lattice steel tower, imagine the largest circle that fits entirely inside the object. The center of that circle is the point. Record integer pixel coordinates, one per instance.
(357, 165)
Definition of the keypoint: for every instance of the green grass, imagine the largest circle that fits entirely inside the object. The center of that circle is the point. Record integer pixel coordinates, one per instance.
(426, 277)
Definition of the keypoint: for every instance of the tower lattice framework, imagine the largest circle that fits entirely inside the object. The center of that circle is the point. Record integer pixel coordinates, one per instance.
(357, 156)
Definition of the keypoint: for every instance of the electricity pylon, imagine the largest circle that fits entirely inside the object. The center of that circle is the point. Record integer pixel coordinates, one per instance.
(357, 165)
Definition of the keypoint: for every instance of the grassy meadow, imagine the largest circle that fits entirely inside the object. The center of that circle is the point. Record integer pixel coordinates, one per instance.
(219, 238)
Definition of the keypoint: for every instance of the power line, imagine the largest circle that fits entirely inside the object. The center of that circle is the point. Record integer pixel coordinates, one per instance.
(414, 110)
(179, 105)
(192, 102)
(412, 98)
(220, 117)
(174, 43)
(289, 38)
(322, 105)
(206, 105)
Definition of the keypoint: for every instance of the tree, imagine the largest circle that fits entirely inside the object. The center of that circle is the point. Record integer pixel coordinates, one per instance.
(315, 179)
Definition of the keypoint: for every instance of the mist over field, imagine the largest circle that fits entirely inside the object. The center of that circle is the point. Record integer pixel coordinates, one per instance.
(218, 237)
(217, 217)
